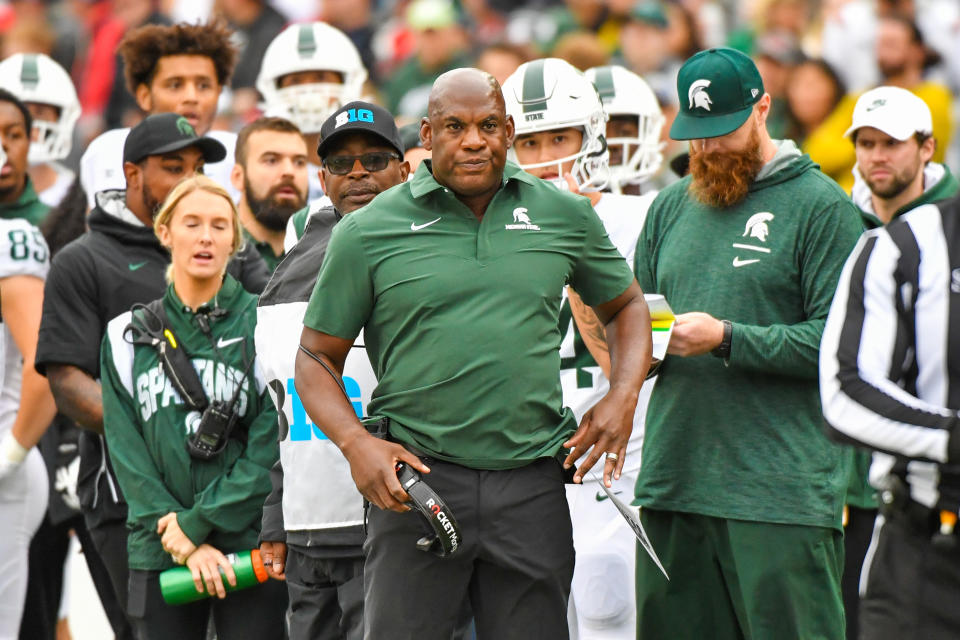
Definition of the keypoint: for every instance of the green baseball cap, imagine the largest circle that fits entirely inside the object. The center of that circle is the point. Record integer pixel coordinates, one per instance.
(717, 89)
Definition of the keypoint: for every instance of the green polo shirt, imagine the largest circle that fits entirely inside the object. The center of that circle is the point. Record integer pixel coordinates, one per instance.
(265, 250)
(460, 315)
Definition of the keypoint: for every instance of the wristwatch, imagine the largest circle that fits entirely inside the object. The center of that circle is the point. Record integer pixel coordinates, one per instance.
(723, 349)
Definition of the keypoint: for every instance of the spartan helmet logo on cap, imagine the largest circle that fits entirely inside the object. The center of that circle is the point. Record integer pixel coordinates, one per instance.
(698, 94)
(184, 127)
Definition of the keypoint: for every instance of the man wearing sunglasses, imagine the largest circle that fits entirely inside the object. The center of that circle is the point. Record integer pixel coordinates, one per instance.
(339, 163)
(313, 520)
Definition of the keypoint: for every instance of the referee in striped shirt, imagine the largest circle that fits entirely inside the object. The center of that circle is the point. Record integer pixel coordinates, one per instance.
(890, 381)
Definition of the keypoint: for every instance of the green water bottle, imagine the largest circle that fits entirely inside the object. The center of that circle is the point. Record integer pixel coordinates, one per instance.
(177, 587)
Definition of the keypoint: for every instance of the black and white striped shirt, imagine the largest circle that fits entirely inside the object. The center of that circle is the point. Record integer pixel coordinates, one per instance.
(890, 353)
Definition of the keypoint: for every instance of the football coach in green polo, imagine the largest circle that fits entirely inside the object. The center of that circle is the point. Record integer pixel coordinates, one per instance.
(455, 278)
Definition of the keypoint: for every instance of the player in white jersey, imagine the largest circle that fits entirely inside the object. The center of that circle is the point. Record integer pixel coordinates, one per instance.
(48, 92)
(26, 409)
(308, 72)
(182, 69)
(560, 124)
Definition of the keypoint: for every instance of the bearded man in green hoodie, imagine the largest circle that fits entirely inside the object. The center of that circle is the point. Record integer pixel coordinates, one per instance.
(742, 492)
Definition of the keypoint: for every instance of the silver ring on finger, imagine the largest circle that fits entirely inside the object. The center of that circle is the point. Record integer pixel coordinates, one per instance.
(612, 456)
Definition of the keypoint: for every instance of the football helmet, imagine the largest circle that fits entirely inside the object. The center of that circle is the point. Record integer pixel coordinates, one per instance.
(313, 46)
(35, 77)
(550, 93)
(624, 93)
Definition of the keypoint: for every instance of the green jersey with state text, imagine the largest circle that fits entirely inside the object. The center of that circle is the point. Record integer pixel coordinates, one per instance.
(147, 424)
(744, 439)
(460, 315)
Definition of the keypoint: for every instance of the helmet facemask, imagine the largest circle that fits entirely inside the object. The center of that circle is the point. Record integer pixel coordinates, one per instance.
(48, 142)
(307, 47)
(309, 105)
(641, 156)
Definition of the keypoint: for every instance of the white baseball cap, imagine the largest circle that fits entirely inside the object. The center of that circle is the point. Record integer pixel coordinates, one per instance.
(895, 111)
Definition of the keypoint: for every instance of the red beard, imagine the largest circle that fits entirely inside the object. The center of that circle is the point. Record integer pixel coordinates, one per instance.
(722, 179)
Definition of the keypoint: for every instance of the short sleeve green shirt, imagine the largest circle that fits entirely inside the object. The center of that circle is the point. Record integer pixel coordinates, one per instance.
(460, 314)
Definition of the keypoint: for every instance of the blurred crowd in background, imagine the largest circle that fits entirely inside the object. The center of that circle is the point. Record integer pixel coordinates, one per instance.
(815, 56)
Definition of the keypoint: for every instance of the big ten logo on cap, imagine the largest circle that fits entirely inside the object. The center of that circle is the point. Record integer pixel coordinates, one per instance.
(353, 115)
(301, 428)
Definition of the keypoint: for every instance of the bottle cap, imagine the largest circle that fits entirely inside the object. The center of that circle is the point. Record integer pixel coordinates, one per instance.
(258, 569)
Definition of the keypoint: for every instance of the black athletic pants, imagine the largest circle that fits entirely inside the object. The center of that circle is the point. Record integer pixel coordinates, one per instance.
(856, 540)
(326, 597)
(48, 553)
(913, 586)
(255, 613)
(515, 561)
(110, 540)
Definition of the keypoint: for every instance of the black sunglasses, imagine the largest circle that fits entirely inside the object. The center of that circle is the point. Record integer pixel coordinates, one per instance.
(374, 161)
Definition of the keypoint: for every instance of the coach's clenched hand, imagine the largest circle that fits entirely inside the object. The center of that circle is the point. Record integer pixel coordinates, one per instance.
(373, 465)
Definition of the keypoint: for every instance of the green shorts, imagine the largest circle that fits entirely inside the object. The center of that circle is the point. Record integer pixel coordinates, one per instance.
(735, 579)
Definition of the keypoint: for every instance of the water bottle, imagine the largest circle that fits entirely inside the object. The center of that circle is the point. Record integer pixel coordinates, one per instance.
(177, 587)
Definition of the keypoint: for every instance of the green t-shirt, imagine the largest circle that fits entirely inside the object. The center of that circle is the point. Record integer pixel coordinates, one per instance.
(460, 314)
(28, 206)
(265, 250)
(745, 439)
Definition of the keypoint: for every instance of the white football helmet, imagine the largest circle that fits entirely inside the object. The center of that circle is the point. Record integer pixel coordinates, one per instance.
(624, 93)
(313, 46)
(35, 77)
(550, 93)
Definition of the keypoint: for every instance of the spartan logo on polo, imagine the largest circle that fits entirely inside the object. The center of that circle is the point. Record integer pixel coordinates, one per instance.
(522, 221)
(697, 93)
(353, 115)
(154, 391)
(184, 127)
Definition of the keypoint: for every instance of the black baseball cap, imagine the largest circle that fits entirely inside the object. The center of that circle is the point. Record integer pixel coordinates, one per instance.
(359, 116)
(165, 132)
